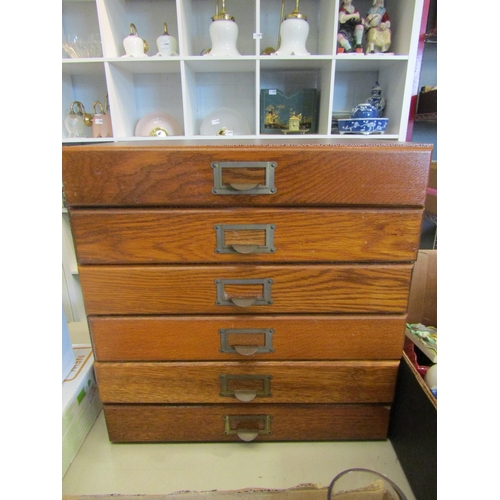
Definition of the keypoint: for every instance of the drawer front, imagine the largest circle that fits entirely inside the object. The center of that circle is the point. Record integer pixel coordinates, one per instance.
(316, 175)
(239, 235)
(247, 383)
(246, 338)
(165, 423)
(239, 289)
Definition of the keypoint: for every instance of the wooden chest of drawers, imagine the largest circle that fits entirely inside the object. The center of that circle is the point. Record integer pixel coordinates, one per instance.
(246, 292)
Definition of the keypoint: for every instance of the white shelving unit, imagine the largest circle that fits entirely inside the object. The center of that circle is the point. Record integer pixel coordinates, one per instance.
(190, 85)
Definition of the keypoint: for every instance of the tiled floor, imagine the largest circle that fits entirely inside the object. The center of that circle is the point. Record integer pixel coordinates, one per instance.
(102, 468)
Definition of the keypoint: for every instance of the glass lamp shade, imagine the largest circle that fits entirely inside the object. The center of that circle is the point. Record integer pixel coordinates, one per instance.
(224, 121)
(101, 125)
(224, 35)
(158, 124)
(167, 45)
(74, 125)
(293, 33)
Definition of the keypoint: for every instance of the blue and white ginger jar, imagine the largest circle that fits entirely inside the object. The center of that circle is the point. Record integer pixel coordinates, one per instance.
(364, 110)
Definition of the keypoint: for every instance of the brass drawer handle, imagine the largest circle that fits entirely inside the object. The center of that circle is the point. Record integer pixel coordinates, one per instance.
(244, 395)
(262, 299)
(247, 427)
(245, 248)
(243, 301)
(244, 188)
(247, 435)
(245, 387)
(246, 350)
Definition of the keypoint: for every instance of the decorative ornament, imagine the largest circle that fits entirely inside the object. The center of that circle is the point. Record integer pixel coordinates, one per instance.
(377, 25)
(350, 29)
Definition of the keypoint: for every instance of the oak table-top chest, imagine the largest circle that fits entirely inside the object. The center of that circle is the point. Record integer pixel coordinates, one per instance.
(252, 291)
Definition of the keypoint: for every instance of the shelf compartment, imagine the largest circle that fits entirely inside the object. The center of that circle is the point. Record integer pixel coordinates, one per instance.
(142, 87)
(230, 84)
(84, 82)
(404, 18)
(79, 19)
(148, 17)
(353, 84)
(291, 76)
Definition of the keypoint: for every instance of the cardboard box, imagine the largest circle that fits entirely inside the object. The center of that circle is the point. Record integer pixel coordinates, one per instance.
(81, 404)
(422, 305)
(431, 199)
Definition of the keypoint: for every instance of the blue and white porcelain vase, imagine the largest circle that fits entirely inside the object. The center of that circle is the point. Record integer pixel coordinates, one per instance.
(377, 100)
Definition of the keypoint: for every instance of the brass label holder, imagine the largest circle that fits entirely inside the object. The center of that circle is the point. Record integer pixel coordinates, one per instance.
(219, 188)
(268, 247)
(250, 349)
(264, 300)
(263, 382)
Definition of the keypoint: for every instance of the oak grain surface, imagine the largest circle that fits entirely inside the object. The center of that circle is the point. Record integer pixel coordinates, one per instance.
(333, 291)
(197, 338)
(292, 382)
(294, 289)
(300, 235)
(295, 422)
(123, 175)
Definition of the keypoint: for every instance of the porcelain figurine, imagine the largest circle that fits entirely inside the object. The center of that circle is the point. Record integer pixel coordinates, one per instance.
(377, 100)
(377, 26)
(167, 44)
(351, 28)
(294, 31)
(134, 45)
(223, 33)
